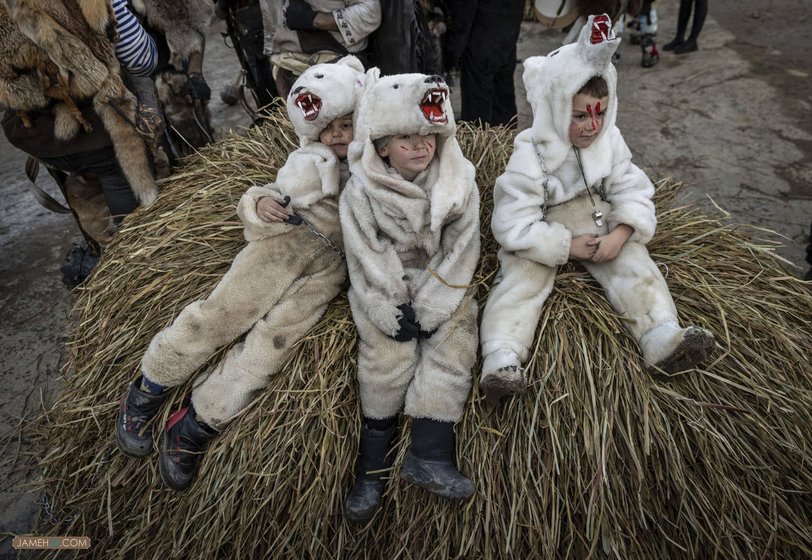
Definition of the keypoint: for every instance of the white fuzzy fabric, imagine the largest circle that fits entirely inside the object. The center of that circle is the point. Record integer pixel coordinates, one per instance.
(338, 85)
(518, 222)
(534, 245)
(396, 230)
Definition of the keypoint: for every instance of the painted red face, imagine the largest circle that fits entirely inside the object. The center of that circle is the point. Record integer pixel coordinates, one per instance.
(587, 119)
(409, 154)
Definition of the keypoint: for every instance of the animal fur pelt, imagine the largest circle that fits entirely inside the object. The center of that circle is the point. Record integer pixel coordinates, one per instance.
(62, 52)
(184, 24)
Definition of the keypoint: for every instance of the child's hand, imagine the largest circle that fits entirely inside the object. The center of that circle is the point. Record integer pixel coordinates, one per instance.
(582, 248)
(270, 210)
(608, 246)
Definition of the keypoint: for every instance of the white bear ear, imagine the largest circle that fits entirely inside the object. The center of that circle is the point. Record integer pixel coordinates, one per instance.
(532, 68)
(373, 75)
(352, 62)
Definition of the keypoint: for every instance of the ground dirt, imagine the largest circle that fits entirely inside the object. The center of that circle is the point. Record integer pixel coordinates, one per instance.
(733, 120)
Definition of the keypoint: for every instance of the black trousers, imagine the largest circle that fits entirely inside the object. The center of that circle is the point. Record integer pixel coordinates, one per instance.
(102, 163)
(489, 61)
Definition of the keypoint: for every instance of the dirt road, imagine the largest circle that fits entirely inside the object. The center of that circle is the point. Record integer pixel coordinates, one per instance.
(734, 120)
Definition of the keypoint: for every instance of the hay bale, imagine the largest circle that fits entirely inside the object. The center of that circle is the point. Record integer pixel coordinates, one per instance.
(597, 459)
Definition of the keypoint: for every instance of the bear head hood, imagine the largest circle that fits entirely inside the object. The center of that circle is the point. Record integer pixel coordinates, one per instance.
(552, 81)
(411, 104)
(323, 93)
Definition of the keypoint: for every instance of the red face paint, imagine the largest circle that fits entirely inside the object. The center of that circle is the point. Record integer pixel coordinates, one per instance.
(430, 145)
(593, 115)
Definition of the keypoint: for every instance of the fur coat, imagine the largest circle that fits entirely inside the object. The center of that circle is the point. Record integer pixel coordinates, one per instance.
(415, 241)
(57, 54)
(518, 222)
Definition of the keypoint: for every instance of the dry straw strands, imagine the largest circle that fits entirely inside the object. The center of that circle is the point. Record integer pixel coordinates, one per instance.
(598, 459)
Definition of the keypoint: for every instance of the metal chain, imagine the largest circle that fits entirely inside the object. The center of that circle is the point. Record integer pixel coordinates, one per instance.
(323, 238)
(545, 184)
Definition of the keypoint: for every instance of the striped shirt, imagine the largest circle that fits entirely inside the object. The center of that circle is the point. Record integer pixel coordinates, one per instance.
(135, 49)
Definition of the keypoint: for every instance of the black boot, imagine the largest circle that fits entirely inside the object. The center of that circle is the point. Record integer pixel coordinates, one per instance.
(182, 447)
(374, 459)
(430, 460)
(136, 409)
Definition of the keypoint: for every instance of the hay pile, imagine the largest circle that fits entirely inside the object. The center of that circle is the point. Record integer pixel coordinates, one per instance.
(597, 459)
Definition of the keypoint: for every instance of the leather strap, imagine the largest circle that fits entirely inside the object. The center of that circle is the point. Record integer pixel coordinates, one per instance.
(46, 200)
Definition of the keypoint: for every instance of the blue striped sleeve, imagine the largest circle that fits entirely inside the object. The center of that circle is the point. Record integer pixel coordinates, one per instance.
(135, 49)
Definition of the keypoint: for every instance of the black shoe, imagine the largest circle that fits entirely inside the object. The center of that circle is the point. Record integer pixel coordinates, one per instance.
(687, 47)
(374, 459)
(182, 447)
(135, 410)
(430, 460)
(81, 262)
(671, 45)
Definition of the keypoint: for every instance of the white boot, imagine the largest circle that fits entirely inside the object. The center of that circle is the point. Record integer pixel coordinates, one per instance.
(672, 349)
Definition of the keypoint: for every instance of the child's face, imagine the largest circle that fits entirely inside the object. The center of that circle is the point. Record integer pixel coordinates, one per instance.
(338, 135)
(409, 154)
(587, 119)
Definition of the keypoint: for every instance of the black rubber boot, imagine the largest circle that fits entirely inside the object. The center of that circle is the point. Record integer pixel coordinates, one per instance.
(374, 460)
(430, 460)
(135, 410)
(182, 447)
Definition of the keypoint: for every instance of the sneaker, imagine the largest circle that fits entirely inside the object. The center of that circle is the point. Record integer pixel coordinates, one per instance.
(181, 448)
(650, 55)
(136, 409)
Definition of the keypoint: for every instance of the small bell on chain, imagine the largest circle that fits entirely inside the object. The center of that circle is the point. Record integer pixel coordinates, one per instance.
(597, 215)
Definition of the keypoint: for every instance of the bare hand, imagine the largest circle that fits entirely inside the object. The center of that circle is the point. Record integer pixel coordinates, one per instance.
(581, 247)
(608, 246)
(270, 210)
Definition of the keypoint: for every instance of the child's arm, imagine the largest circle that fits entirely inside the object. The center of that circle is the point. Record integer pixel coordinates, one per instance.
(518, 221)
(375, 270)
(630, 193)
(248, 209)
(455, 264)
(607, 247)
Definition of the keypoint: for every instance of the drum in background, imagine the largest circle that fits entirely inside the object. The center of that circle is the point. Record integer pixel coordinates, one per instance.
(555, 14)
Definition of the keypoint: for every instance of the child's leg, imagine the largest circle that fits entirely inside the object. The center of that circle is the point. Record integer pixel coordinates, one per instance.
(442, 379)
(512, 312)
(637, 290)
(435, 402)
(256, 280)
(385, 366)
(249, 366)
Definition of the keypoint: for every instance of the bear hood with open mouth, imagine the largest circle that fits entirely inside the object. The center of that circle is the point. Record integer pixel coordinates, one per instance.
(552, 81)
(411, 104)
(323, 93)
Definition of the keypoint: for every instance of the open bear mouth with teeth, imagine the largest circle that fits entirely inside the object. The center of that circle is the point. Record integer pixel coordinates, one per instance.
(432, 105)
(310, 104)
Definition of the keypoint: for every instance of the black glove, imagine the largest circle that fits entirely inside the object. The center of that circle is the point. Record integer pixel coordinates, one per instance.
(197, 88)
(292, 219)
(427, 334)
(300, 15)
(409, 327)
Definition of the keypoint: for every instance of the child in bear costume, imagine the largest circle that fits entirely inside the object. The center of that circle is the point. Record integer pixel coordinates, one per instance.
(545, 214)
(277, 288)
(410, 218)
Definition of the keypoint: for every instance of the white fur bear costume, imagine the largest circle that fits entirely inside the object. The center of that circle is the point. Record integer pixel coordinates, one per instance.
(533, 244)
(280, 284)
(411, 242)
